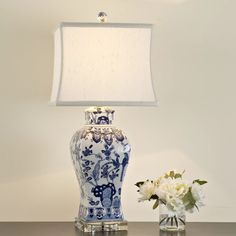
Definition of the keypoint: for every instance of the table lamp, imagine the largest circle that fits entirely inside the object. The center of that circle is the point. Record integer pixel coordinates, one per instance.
(101, 65)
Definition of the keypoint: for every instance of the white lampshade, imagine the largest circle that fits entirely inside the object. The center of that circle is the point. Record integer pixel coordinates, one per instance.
(102, 64)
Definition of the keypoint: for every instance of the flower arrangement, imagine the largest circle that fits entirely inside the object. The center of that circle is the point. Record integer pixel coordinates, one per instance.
(175, 193)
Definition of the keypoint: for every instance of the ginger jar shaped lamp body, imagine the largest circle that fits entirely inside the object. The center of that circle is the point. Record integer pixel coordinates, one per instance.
(101, 65)
(100, 154)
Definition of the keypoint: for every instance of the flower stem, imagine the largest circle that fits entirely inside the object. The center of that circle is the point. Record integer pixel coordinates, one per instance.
(176, 222)
(167, 220)
(182, 221)
(162, 220)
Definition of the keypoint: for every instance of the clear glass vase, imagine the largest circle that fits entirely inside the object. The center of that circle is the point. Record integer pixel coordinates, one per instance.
(170, 220)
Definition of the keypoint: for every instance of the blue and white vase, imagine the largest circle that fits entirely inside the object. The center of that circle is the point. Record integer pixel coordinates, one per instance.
(100, 154)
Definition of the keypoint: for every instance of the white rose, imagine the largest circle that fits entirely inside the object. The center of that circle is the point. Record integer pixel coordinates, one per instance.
(197, 194)
(169, 187)
(175, 205)
(147, 189)
(171, 191)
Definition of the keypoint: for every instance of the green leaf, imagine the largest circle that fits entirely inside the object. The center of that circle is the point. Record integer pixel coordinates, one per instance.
(189, 200)
(155, 204)
(178, 176)
(200, 182)
(138, 184)
(172, 174)
(154, 197)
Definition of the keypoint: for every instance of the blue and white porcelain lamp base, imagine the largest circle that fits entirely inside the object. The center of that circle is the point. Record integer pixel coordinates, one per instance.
(100, 154)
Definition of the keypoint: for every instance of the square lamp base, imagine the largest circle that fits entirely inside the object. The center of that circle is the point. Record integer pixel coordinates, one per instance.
(96, 226)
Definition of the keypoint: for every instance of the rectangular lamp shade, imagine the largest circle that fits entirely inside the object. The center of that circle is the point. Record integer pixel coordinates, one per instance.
(99, 64)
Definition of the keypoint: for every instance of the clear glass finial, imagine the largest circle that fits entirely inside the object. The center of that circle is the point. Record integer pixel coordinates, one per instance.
(102, 17)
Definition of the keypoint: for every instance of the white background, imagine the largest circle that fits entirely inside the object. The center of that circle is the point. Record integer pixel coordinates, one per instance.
(194, 71)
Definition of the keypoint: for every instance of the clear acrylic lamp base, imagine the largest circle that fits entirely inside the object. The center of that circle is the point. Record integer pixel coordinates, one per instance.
(96, 226)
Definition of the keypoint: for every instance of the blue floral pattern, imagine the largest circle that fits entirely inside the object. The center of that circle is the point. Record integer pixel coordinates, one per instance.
(100, 155)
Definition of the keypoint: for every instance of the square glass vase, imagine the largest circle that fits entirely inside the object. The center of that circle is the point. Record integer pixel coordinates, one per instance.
(171, 221)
